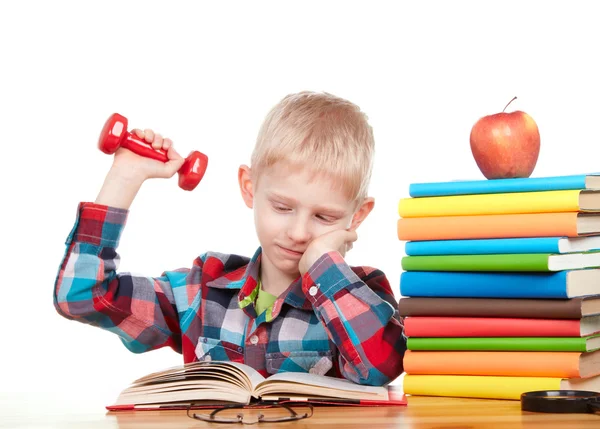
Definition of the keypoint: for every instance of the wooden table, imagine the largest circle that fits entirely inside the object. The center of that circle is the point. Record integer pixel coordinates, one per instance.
(45, 411)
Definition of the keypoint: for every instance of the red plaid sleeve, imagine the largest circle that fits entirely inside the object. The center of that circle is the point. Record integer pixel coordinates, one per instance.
(360, 314)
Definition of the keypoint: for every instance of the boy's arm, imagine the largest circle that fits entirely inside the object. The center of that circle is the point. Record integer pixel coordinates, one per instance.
(361, 317)
(141, 310)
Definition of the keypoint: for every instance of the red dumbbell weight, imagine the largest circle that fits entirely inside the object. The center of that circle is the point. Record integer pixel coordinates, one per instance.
(115, 135)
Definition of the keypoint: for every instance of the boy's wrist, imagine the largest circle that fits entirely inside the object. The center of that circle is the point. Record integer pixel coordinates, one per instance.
(127, 175)
(312, 255)
(120, 188)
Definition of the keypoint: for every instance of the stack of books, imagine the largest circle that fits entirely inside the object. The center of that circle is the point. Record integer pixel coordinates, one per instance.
(501, 286)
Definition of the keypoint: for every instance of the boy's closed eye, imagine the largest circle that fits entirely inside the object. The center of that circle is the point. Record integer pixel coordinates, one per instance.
(327, 219)
(281, 208)
(322, 217)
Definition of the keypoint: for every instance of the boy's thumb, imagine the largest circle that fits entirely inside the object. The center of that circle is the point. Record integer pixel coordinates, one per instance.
(174, 165)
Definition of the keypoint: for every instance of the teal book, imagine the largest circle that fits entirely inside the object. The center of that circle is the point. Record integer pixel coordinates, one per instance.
(502, 245)
(495, 186)
(532, 344)
(536, 262)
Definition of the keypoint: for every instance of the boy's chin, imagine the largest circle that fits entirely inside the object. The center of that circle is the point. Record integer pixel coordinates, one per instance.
(288, 267)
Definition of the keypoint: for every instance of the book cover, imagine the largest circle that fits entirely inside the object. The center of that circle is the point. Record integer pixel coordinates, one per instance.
(558, 285)
(502, 245)
(529, 184)
(491, 387)
(435, 326)
(516, 364)
(573, 308)
(498, 226)
(508, 203)
(502, 262)
(541, 344)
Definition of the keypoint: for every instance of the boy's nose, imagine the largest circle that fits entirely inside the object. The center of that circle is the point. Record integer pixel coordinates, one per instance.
(299, 231)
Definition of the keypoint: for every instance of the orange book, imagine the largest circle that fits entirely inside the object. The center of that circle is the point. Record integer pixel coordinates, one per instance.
(516, 364)
(498, 226)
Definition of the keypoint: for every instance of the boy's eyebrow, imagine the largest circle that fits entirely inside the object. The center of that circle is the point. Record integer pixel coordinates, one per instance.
(330, 210)
(281, 197)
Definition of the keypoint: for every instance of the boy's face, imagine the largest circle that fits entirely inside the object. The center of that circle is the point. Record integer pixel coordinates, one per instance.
(292, 207)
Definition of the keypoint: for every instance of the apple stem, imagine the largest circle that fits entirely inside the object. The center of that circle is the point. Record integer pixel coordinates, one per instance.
(514, 98)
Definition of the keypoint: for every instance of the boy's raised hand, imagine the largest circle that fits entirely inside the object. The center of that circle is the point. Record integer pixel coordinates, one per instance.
(130, 170)
(339, 240)
(141, 167)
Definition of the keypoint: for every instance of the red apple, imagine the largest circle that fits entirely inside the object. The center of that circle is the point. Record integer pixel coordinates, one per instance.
(505, 145)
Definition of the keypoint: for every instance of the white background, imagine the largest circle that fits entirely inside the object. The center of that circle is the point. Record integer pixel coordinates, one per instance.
(205, 74)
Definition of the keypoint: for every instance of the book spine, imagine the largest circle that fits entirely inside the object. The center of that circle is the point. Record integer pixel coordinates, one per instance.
(483, 285)
(488, 226)
(466, 187)
(485, 387)
(541, 344)
(482, 246)
(517, 364)
(486, 204)
(425, 327)
(503, 262)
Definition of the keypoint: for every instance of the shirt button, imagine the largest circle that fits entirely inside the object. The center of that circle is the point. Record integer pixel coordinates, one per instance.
(254, 339)
(312, 291)
(207, 358)
(240, 350)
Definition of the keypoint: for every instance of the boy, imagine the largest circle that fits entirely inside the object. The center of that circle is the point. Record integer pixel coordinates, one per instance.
(295, 305)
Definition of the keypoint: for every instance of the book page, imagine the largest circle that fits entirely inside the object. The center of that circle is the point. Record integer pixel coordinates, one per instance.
(214, 380)
(185, 395)
(312, 384)
(253, 375)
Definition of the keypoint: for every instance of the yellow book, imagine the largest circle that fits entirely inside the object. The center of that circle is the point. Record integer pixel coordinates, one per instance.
(508, 203)
(488, 387)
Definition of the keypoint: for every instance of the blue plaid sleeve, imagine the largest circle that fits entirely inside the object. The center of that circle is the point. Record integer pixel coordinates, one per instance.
(140, 310)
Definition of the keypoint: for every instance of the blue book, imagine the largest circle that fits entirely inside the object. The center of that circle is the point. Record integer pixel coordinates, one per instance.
(556, 285)
(494, 186)
(502, 246)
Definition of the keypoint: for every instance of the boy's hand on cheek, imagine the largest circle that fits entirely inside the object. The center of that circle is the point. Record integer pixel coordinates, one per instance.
(340, 240)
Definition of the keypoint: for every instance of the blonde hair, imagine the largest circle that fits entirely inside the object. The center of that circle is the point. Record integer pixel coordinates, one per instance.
(320, 131)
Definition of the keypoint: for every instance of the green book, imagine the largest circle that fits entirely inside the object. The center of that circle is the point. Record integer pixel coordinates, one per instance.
(537, 344)
(503, 262)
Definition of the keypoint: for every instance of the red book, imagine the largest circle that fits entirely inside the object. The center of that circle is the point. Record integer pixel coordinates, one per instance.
(421, 326)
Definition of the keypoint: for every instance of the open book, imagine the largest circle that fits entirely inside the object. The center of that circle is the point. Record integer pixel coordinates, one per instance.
(216, 383)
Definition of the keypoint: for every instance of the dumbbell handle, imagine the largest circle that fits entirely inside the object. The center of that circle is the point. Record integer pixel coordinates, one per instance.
(143, 148)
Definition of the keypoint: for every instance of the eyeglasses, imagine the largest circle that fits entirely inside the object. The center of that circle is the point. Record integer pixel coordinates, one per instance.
(239, 418)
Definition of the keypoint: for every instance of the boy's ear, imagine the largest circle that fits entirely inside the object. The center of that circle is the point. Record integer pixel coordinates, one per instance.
(245, 182)
(362, 212)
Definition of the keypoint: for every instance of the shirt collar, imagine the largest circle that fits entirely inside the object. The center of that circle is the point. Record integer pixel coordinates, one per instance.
(245, 278)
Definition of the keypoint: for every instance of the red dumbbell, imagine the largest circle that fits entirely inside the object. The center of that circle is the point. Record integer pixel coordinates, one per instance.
(115, 135)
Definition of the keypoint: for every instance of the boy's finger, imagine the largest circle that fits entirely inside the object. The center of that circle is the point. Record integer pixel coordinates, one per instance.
(157, 142)
(149, 134)
(138, 133)
(167, 143)
(174, 165)
(173, 154)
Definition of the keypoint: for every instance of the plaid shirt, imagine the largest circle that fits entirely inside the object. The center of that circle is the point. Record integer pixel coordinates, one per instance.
(335, 320)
